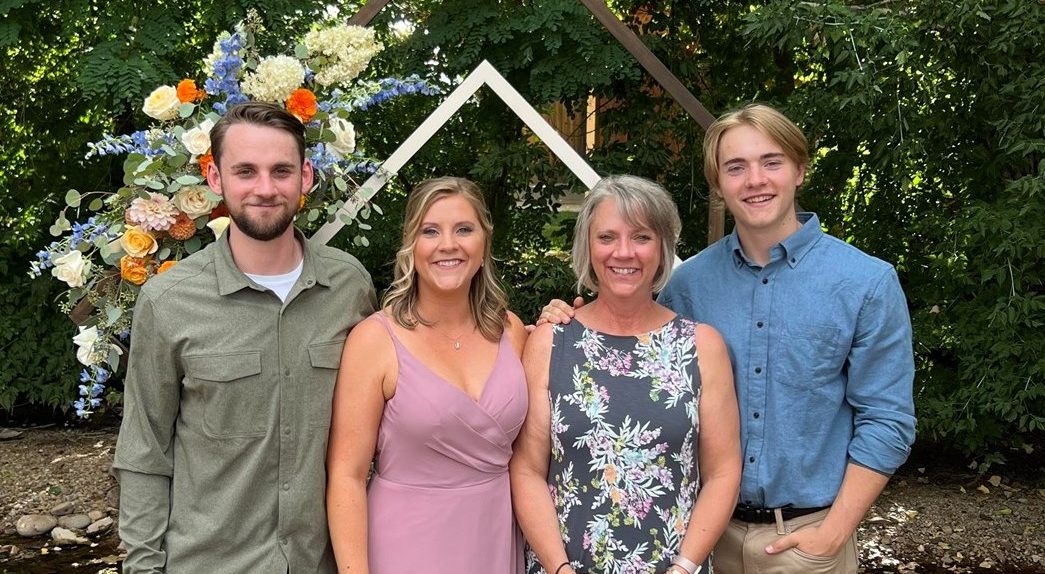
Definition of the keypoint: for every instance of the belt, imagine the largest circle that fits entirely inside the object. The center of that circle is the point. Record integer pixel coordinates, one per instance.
(746, 513)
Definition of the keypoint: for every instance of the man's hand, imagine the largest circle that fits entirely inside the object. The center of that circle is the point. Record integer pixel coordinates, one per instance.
(558, 312)
(812, 540)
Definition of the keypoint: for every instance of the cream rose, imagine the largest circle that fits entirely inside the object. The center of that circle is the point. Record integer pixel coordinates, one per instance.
(194, 201)
(138, 243)
(345, 133)
(197, 140)
(218, 225)
(71, 268)
(162, 103)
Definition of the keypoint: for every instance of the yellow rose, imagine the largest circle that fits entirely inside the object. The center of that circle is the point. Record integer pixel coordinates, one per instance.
(162, 103)
(133, 269)
(138, 243)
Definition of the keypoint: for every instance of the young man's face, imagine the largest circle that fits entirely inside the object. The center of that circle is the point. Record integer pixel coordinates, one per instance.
(757, 181)
(261, 179)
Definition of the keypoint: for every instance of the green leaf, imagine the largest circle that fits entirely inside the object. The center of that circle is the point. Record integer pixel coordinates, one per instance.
(112, 315)
(96, 204)
(163, 254)
(301, 51)
(192, 245)
(178, 160)
(72, 198)
(189, 180)
(185, 110)
(313, 214)
(340, 183)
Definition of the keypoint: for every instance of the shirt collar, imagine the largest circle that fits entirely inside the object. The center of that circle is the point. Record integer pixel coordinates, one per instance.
(794, 247)
(231, 279)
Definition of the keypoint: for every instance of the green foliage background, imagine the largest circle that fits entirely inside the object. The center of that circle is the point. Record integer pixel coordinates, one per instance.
(926, 119)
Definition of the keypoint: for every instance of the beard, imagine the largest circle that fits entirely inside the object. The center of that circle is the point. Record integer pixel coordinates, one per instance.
(262, 229)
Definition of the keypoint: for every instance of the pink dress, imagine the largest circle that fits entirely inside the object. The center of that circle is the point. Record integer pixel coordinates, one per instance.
(439, 500)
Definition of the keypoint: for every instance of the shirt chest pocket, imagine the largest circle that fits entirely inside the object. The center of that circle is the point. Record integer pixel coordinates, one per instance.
(812, 356)
(235, 400)
(325, 359)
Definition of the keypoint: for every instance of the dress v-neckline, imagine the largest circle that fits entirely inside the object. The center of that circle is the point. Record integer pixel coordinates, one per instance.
(444, 380)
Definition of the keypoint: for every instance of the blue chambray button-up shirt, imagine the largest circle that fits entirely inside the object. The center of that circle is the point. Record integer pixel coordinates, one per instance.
(820, 340)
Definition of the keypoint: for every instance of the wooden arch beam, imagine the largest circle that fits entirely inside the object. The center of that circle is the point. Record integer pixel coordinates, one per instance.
(649, 61)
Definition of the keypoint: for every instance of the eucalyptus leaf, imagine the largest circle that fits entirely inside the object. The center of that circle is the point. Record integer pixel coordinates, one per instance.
(72, 198)
(163, 254)
(365, 226)
(340, 183)
(153, 184)
(189, 180)
(192, 245)
(313, 214)
(185, 110)
(178, 160)
(112, 315)
(301, 51)
(96, 204)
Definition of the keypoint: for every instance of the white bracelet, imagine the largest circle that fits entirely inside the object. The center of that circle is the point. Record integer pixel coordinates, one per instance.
(688, 566)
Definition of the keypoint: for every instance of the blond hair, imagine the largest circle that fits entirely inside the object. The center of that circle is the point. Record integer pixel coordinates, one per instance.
(775, 125)
(640, 202)
(487, 300)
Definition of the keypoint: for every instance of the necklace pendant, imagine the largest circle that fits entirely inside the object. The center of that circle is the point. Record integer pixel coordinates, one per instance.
(457, 345)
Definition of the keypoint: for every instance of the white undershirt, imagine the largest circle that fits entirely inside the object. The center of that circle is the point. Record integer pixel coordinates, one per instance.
(279, 284)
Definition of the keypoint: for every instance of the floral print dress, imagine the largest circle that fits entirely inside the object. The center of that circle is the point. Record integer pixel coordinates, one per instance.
(623, 472)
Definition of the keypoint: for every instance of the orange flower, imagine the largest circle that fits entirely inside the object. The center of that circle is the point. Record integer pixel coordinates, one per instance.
(205, 161)
(165, 266)
(219, 211)
(133, 269)
(182, 228)
(187, 92)
(302, 103)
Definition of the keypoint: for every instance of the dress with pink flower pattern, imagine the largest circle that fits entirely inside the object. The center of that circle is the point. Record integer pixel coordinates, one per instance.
(623, 471)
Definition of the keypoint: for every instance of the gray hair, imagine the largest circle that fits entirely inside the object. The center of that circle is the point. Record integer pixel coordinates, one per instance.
(641, 202)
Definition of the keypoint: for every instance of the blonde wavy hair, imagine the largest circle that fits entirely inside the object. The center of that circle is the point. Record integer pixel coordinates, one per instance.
(487, 300)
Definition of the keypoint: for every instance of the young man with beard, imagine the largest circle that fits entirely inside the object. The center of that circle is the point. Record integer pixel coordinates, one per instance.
(820, 341)
(234, 354)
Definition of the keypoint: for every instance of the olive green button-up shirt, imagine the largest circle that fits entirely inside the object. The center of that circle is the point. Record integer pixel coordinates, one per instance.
(221, 454)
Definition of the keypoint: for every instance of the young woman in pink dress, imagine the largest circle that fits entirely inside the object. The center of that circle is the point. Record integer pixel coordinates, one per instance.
(432, 392)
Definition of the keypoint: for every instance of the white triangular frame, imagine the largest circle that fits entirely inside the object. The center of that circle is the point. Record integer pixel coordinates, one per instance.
(483, 75)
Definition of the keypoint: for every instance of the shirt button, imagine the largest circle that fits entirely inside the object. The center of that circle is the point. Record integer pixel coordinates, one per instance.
(764, 280)
(751, 459)
(758, 370)
(286, 430)
(755, 415)
(793, 260)
(283, 541)
(309, 282)
(759, 324)
(286, 486)
(286, 372)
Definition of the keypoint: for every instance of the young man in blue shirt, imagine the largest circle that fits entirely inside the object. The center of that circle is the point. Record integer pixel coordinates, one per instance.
(820, 340)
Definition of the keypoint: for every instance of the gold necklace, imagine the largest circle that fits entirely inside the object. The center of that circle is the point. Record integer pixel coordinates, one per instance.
(455, 340)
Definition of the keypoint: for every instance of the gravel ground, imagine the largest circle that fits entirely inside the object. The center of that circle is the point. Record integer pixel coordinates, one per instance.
(925, 522)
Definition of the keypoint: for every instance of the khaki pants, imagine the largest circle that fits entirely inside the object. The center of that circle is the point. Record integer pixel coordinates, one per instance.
(741, 550)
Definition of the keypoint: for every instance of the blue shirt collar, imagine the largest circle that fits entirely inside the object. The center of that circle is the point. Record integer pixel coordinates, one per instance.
(793, 249)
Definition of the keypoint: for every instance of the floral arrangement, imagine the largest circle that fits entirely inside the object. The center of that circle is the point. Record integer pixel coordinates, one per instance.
(165, 211)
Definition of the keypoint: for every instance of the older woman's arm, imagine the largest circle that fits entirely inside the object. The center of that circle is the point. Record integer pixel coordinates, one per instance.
(367, 365)
(719, 447)
(531, 498)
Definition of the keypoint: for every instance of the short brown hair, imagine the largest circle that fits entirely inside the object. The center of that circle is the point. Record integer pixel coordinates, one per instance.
(259, 114)
(763, 118)
(487, 300)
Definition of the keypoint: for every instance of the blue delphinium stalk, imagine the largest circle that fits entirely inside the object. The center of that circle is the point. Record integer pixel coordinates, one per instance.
(394, 88)
(224, 78)
(138, 142)
(91, 391)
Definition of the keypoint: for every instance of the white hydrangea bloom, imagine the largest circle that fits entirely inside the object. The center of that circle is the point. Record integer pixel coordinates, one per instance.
(275, 78)
(345, 51)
